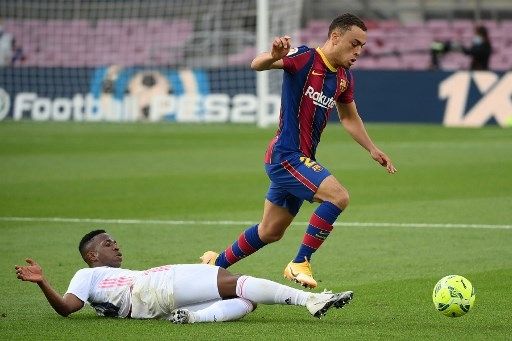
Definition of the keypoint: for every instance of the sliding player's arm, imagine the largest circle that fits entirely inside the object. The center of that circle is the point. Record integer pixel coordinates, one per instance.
(273, 59)
(63, 305)
(352, 122)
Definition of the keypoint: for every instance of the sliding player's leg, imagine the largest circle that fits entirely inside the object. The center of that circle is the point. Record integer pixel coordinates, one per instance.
(198, 290)
(259, 290)
(213, 311)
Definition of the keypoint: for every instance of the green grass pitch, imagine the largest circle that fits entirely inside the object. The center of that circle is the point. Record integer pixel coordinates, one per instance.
(447, 211)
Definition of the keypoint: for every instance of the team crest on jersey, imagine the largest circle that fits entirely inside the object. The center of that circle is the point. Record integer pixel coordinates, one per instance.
(343, 85)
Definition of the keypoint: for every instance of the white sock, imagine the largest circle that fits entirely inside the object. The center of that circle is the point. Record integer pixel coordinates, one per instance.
(263, 291)
(224, 310)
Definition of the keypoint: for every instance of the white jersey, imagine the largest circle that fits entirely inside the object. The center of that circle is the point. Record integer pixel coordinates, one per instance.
(151, 293)
(106, 289)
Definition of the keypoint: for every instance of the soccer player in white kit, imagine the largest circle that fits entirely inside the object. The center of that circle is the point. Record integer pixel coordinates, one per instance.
(183, 293)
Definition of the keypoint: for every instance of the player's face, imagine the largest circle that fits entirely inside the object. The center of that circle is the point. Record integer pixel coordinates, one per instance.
(348, 45)
(106, 251)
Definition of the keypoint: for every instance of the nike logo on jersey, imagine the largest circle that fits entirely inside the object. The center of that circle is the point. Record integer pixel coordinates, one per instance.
(319, 98)
(317, 73)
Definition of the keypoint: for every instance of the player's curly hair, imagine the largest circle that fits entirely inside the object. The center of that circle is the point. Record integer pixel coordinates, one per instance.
(345, 21)
(87, 238)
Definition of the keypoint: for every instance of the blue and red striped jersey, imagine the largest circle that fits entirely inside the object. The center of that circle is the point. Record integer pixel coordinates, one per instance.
(311, 87)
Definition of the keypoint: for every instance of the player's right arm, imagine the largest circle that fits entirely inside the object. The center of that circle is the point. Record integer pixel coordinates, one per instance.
(273, 59)
(63, 305)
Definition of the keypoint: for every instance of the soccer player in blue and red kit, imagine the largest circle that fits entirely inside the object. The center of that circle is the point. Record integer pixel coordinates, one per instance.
(314, 81)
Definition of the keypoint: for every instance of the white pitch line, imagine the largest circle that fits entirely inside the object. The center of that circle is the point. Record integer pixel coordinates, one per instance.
(241, 223)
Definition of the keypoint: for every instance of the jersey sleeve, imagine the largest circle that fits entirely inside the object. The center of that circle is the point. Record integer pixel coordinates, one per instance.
(347, 96)
(80, 284)
(296, 59)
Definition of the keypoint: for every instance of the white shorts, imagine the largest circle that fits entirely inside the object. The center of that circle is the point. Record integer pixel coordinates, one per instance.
(161, 290)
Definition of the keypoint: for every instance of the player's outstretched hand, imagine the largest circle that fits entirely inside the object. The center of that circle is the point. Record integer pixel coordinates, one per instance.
(384, 160)
(280, 47)
(32, 272)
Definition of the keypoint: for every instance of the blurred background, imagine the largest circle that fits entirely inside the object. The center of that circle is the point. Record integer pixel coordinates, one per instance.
(177, 60)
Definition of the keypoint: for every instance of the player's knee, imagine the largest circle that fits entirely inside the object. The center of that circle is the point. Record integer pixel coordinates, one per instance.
(226, 283)
(341, 198)
(332, 191)
(254, 305)
(270, 234)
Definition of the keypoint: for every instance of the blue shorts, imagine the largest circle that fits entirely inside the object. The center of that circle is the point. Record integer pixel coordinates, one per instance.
(294, 180)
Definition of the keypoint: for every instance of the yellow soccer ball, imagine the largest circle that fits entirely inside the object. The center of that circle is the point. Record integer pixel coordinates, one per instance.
(453, 295)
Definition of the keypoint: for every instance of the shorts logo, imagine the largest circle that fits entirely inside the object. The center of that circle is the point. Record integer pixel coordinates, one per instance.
(343, 85)
(311, 164)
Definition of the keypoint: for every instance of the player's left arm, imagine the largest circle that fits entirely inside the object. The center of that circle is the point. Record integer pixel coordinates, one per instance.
(352, 122)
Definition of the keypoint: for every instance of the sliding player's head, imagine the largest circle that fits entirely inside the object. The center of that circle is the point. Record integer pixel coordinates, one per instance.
(346, 38)
(100, 249)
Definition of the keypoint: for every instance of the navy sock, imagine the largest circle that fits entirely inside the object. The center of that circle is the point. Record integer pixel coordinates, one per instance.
(247, 243)
(320, 225)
